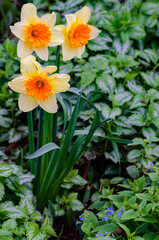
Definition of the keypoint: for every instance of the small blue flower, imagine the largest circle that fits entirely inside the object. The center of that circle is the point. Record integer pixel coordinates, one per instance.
(101, 234)
(105, 233)
(81, 218)
(96, 235)
(105, 218)
(113, 235)
(109, 213)
(119, 214)
(150, 170)
(103, 213)
(76, 222)
(122, 211)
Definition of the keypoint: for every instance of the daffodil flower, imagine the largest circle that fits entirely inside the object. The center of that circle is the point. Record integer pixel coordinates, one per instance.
(36, 34)
(77, 33)
(37, 85)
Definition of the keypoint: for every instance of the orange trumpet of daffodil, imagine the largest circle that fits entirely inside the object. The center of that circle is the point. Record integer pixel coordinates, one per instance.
(36, 34)
(77, 33)
(38, 86)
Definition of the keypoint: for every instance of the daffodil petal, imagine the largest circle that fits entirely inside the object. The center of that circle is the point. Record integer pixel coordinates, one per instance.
(70, 19)
(48, 69)
(57, 38)
(49, 19)
(24, 49)
(60, 82)
(83, 15)
(94, 32)
(60, 28)
(68, 52)
(28, 12)
(29, 66)
(49, 104)
(27, 103)
(19, 30)
(80, 51)
(42, 52)
(18, 84)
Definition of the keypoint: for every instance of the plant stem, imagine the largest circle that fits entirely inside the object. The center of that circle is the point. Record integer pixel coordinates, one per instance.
(54, 121)
(31, 140)
(38, 160)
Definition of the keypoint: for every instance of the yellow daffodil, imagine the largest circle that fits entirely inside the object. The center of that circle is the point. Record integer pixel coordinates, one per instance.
(77, 33)
(35, 33)
(37, 86)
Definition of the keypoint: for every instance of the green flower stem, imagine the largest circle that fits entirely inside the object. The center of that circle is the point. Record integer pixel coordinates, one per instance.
(54, 119)
(31, 140)
(38, 160)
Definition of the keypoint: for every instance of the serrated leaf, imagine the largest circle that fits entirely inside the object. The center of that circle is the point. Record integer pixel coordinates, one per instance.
(133, 171)
(149, 218)
(34, 233)
(27, 204)
(138, 101)
(150, 8)
(2, 191)
(86, 227)
(97, 44)
(47, 227)
(101, 64)
(150, 79)
(137, 119)
(25, 178)
(76, 205)
(5, 170)
(9, 224)
(122, 97)
(15, 212)
(135, 88)
(106, 83)
(87, 77)
(134, 154)
(155, 121)
(130, 214)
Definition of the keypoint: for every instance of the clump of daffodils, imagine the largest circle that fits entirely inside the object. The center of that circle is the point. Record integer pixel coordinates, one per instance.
(36, 84)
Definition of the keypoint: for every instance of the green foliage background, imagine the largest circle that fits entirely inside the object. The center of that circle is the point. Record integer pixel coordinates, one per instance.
(118, 73)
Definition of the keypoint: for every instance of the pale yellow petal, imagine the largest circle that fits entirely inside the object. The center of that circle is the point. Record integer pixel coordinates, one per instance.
(27, 103)
(49, 104)
(61, 28)
(60, 82)
(83, 15)
(57, 38)
(49, 19)
(28, 12)
(70, 19)
(48, 69)
(24, 49)
(29, 66)
(68, 51)
(94, 32)
(18, 84)
(19, 30)
(80, 51)
(42, 52)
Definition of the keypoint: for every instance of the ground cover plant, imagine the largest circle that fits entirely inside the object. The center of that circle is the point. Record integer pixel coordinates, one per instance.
(19, 218)
(106, 123)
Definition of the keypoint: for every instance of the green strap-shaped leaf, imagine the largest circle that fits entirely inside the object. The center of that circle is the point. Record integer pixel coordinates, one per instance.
(41, 151)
